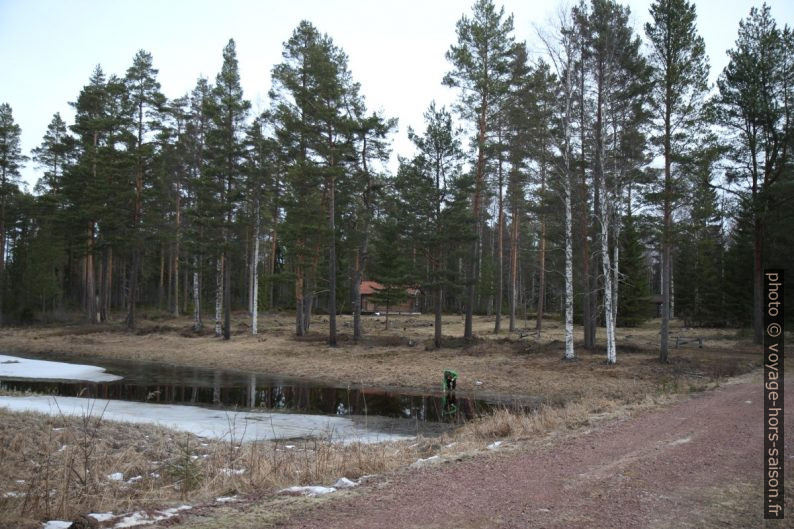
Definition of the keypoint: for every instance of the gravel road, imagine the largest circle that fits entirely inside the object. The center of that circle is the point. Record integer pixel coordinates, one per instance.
(697, 463)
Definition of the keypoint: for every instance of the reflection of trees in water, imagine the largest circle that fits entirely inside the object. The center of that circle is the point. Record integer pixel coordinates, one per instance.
(216, 388)
(251, 391)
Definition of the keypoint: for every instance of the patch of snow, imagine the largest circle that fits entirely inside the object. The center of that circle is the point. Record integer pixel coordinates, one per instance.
(154, 475)
(142, 518)
(131, 520)
(494, 445)
(134, 479)
(12, 494)
(344, 483)
(116, 476)
(232, 471)
(478, 382)
(226, 499)
(544, 510)
(56, 524)
(20, 481)
(450, 445)
(206, 422)
(174, 510)
(15, 367)
(681, 441)
(426, 461)
(102, 516)
(289, 446)
(312, 490)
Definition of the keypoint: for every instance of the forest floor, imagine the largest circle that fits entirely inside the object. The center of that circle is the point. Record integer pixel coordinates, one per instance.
(630, 445)
(403, 357)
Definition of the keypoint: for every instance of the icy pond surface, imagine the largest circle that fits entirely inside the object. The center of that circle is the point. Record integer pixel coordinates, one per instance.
(28, 368)
(213, 423)
(203, 395)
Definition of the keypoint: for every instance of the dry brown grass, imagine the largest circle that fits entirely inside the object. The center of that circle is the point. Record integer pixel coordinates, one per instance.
(59, 467)
(49, 454)
(504, 363)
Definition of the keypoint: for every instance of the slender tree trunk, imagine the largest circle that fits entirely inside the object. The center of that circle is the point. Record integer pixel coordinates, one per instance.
(255, 275)
(106, 301)
(103, 286)
(219, 264)
(542, 256)
(666, 235)
(514, 231)
(331, 264)
(177, 249)
(615, 267)
(185, 290)
(355, 296)
(227, 296)
(569, 352)
(170, 281)
(136, 218)
(584, 218)
(300, 328)
(90, 279)
(604, 220)
(439, 300)
(197, 323)
(271, 302)
(500, 251)
(468, 330)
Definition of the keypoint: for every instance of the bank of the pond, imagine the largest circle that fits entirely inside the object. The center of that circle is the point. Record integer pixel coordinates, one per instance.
(505, 365)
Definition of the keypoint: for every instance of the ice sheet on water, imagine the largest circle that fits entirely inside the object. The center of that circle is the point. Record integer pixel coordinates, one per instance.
(244, 426)
(16, 367)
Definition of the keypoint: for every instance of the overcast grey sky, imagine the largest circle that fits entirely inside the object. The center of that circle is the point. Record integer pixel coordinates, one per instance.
(48, 48)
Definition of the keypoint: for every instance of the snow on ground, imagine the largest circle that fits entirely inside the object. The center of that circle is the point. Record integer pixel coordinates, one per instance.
(219, 424)
(56, 524)
(419, 463)
(16, 367)
(142, 518)
(344, 483)
(311, 490)
(102, 516)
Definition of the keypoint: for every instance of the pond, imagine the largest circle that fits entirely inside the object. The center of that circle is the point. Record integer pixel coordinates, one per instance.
(155, 383)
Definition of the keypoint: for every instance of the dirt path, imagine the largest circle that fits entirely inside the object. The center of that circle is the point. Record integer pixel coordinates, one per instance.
(695, 464)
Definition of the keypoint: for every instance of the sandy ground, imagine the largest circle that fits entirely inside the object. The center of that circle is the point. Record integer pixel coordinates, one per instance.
(505, 364)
